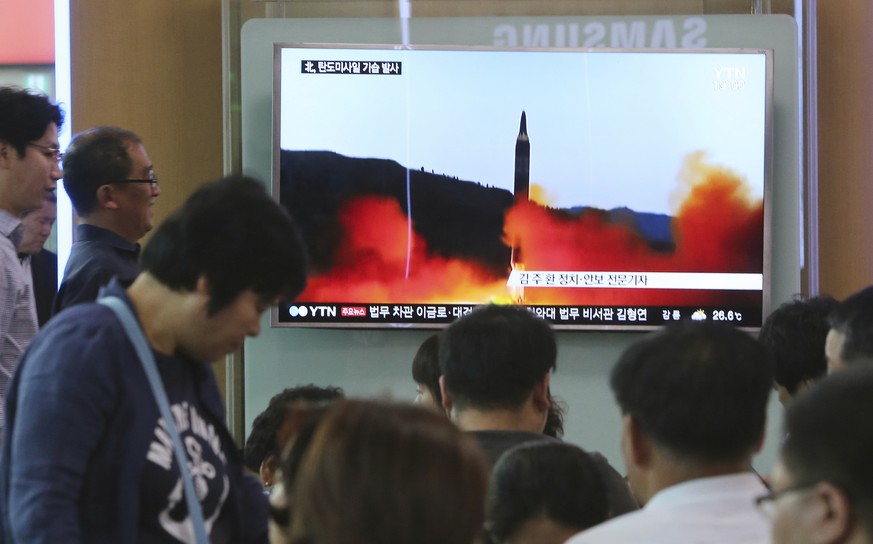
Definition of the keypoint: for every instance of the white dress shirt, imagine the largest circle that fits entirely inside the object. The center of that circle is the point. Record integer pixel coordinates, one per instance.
(717, 510)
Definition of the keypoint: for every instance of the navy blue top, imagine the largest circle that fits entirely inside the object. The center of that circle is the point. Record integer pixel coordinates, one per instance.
(85, 457)
(97, 256)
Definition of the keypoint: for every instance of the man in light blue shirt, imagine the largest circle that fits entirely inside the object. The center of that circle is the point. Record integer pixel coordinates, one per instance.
(29, 171)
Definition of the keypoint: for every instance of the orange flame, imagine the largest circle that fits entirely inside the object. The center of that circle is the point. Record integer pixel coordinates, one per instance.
(717, 228)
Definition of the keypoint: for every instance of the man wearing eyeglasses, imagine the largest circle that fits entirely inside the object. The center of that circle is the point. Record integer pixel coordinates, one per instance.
(113, 187)
(823, 483)
(29, 171)
(693, 398)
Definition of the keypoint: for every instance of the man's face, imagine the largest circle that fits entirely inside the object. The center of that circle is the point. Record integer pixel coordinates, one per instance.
(32, 176)
(37, 227)
(212, 337)
(817, 513)
(834, 350)
(136, 200)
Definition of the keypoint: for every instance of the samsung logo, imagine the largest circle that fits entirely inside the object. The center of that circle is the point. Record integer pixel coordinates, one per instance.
(650, 33)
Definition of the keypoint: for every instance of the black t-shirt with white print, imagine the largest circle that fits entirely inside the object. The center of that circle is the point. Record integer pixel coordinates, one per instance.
(163, 508)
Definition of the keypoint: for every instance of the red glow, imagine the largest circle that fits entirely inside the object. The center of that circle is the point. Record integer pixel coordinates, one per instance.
(371, 264)
(717, 228)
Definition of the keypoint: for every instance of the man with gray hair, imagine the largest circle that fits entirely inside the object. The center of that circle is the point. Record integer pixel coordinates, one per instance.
(112, 184)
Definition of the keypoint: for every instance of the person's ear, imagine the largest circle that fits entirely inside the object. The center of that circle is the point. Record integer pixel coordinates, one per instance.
(447, 399)
(829, 513)
(638, 448)
(267, 470)
(106, 197)
(540, 394)
(5, 153)
(202, 286)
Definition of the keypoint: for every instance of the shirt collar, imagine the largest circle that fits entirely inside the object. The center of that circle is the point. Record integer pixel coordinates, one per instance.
(93, 233)
(11, 227)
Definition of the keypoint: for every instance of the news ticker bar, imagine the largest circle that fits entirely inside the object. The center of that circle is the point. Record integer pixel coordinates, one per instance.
(637, 280)
(423, 314)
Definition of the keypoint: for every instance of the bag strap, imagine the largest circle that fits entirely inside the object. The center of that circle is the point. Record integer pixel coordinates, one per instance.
(134, 332)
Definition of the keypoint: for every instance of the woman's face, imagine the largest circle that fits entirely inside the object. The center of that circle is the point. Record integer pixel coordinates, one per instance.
(424, 397)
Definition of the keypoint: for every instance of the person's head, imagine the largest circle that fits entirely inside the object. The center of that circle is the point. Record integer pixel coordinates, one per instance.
(823, 483)
(262, 449)
(495, 358)
(426, 373)
(234, 250)
(111, 181)
(850, 339)
(29, 152)
(544, 493)
(692, 395)
(38, 225)
(382, 473)
(296, 434)
(795, 335)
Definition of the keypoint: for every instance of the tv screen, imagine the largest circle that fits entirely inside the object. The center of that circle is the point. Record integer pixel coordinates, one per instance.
(602, 189)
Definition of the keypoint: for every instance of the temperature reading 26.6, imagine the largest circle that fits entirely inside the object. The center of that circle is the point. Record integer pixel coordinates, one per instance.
(730, 315)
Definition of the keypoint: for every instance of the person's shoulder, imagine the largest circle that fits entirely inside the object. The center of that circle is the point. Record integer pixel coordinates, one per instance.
(83, 323)
(630, 527)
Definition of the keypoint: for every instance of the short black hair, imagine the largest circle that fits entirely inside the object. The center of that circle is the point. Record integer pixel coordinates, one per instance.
(25, 114)
(426, 366)
(492, 357)
(698, 389)
(262, 439)
(233, 233)
(853, 318)
(829, 437)
(555, 480)
(795, 334)
(96, 157)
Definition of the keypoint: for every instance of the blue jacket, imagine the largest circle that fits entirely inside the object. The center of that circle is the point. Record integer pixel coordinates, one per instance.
(81, 420)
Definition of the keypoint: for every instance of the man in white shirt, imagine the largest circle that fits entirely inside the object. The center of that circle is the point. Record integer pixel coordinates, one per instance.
(29, 171)
(693, 398)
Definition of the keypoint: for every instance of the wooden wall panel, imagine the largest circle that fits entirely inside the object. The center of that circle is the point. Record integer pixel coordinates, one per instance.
(845, 109)
(155, 68)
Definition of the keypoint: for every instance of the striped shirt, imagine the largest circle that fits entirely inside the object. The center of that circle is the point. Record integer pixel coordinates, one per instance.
(17, 322)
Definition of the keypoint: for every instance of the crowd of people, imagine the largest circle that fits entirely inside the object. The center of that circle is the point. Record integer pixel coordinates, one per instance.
(113, 425)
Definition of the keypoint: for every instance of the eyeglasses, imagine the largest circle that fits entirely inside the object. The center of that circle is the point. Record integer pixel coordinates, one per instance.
(51, 153)
(767, 503)
(153, 180)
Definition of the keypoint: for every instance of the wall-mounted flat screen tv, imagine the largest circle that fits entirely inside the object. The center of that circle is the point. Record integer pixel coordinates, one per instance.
(602, 189)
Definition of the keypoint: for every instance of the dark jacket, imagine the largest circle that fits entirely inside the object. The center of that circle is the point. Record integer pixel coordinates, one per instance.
(97, 256)
(44, 270)
(81, 423)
